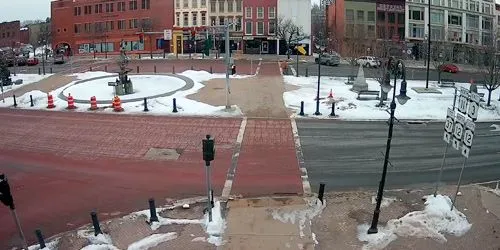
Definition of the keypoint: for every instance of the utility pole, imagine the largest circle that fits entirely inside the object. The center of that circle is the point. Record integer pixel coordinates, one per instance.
(228, 64)
(428, 42)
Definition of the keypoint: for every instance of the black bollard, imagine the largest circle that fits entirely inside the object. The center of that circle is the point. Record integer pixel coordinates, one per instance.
(31, 101)
(212, 198)
(138, 68)
(307, 72)
(301, 108)
(39, 71)
(333, 109)
(90, 68)
(152, 211)
(51, 70)
(15, 102)
(146, 105)
(139, 56)
(192, 67)
(40, 239)
(175, 106)
(95, 223)
(321, 192)
(105, 68)
(211, 71)
(155, 69)
(173, 69)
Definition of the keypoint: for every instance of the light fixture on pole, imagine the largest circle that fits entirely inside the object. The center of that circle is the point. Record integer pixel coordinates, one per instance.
(397, 68)
(320, 49)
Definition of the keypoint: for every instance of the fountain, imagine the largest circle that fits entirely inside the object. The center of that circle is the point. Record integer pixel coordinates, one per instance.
(123, 85)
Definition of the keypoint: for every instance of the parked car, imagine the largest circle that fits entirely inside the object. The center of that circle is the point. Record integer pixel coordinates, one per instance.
(368, 61)
(59, 59)
(329, 59)
(33, 61)
(451, 68)
(21, 61)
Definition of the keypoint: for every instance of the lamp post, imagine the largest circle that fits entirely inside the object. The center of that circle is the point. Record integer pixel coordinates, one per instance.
(397, 68)
(320, 49)
(42, 42)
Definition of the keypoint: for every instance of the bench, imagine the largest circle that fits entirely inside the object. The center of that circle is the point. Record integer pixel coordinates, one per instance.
(368, 92)
(447, 83)
(350, 80)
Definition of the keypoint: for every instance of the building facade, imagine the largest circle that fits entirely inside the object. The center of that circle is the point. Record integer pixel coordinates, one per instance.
(191, 16)
(299, 11)
(222, 11)
(10, 34)
(94, 26)
(360, 28)
(259, 25)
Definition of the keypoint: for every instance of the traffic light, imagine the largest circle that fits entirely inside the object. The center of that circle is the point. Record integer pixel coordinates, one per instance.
(193, 35)
(208, 149)
(5, 195)
(141, 38)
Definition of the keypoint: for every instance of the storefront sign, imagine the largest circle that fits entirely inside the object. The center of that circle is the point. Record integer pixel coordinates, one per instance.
(391, 8)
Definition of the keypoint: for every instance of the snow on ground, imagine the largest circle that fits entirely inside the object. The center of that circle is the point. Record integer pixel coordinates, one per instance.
(152, 241)
(27, 79)
(314, 208)
(433, 222)
(216, 227)
(156, 106)
(420, 106)
(386, 201)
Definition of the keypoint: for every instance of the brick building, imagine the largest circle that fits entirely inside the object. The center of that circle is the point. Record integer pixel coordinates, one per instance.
(259, 25)
(10, 34)
(95, 26)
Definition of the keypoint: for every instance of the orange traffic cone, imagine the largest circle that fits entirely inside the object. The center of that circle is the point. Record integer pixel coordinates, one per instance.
(117, 104)
(93, 103)
(71, 102)
(331, 94)
(50, 102)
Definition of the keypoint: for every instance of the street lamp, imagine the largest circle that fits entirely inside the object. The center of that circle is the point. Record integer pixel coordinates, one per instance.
(320, 48)
(42, 42)
(397, 68)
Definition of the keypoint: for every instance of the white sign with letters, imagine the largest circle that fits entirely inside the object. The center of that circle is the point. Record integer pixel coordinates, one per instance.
(167, 34)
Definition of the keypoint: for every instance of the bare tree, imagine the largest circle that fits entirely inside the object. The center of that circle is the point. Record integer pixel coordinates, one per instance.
(44, 37)
(440, 55)
(491, 69)
(289, 32)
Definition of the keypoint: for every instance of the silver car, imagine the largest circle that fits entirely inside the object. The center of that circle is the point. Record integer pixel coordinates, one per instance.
(329, 59)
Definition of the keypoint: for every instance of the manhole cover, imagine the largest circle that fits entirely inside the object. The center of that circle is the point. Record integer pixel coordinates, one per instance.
(162, 154)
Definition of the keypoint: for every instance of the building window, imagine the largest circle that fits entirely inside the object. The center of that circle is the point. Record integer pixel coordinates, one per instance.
(109, 7)
(260, 12)
(487, 23)
(132, 5)
(272, 27)
(248, 28)
(185, 21)
(110, 25)
(221, 6)
(239, 23)
(349, 15)
(230, 6)
(98, 8)
(437, 17)
(239, 3)
(437, 2)
(472, 5)
(472, 22)
(120, 6)
(370, 29)
(132, 23)
(88, 9)
(360, 16)
(486, 8)
(221, 20)
(145, 4)
(455, 4)
(248, 12)
(416, 30)
(177, 4)
(177, 19)
(371, 17)
(212, 6)
(416, 13)
(392, 17)
(78, 11)
(271, 12)
(381, 16)
(185, 3)
(195, 18)
(194, 4)
(471, 38)
(86, 27)
(121, 25)
(260, 28)
(437, 33)
(455, 18)
(203, 3)
(486, 38)
(78, 28)
(203, 18)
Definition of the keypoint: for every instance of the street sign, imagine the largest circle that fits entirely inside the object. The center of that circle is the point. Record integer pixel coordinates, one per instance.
(167, 34)
(473, 109)
(112, 84)
(458, 131)
(448, 125)
(468, 137)
(301, 50)
(462, 103)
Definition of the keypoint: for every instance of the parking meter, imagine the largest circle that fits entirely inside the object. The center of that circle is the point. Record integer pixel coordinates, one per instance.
(5, 194)
(208, 149)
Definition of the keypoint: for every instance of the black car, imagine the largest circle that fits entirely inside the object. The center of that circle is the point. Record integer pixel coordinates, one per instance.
(59, 59)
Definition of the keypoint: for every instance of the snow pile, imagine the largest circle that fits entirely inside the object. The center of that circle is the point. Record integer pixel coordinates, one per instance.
(52, 245)
(386, 201)
(99, 242)
(315, 207)
(433, 222)
(152, 241)
(420, 106)
(27, 79)
(216, 227)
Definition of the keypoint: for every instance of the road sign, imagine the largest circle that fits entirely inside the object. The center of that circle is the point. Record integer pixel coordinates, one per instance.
(473, 109)
(458, 131)
(468, 137)
(462, 103)
(447, 137)
(167, 34)
(112, 84)
(301, 50)
(448, 125)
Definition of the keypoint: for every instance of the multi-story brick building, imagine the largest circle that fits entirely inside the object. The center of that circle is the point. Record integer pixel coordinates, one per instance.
(10, 34)
(259, 23)
(222, 11)
(95, 26)
(191, 16)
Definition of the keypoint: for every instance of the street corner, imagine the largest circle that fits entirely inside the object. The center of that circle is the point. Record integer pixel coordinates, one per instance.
(408, 219)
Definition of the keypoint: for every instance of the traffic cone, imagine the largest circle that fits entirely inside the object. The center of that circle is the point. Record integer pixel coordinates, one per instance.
(331, 94)
(50, 102)
(117, 104)
(71, 102)
(93, 103)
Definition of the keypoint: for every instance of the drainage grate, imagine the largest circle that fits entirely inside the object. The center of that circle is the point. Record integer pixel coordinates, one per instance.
(162, 154)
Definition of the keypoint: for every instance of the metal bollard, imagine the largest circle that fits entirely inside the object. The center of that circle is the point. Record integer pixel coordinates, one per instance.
(31, 101)
(51, 70)
(105, 68)
(95, 223)
(301, 108)
(138, 68)
(211, 71)
(155, 69)
(139, 56)
(192, 67)
(152, 211)
(146, 105)
(212, 198)
(90, 68)
(173, 69)
(39, 71)
(307, 72)
(175, 106)
(333, 109)
(40, 239)
(15, 101)
(321, 192)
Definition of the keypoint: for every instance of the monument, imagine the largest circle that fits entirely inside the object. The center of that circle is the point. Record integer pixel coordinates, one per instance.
(360, 82)
(123, 85)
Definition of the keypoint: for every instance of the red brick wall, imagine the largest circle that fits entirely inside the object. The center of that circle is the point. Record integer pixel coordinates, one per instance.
(254, 4)
(161, 13)
(24, 36)
(10, 34)
(336, 22)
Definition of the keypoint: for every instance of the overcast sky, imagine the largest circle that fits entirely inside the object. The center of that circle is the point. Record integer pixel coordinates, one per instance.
(32, 10)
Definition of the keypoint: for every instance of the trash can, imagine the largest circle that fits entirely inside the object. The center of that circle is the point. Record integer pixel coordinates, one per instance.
(233, 69)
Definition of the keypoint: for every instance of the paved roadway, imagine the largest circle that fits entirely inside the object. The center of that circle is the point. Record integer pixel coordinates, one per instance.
(344, 70)
(349, 155)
